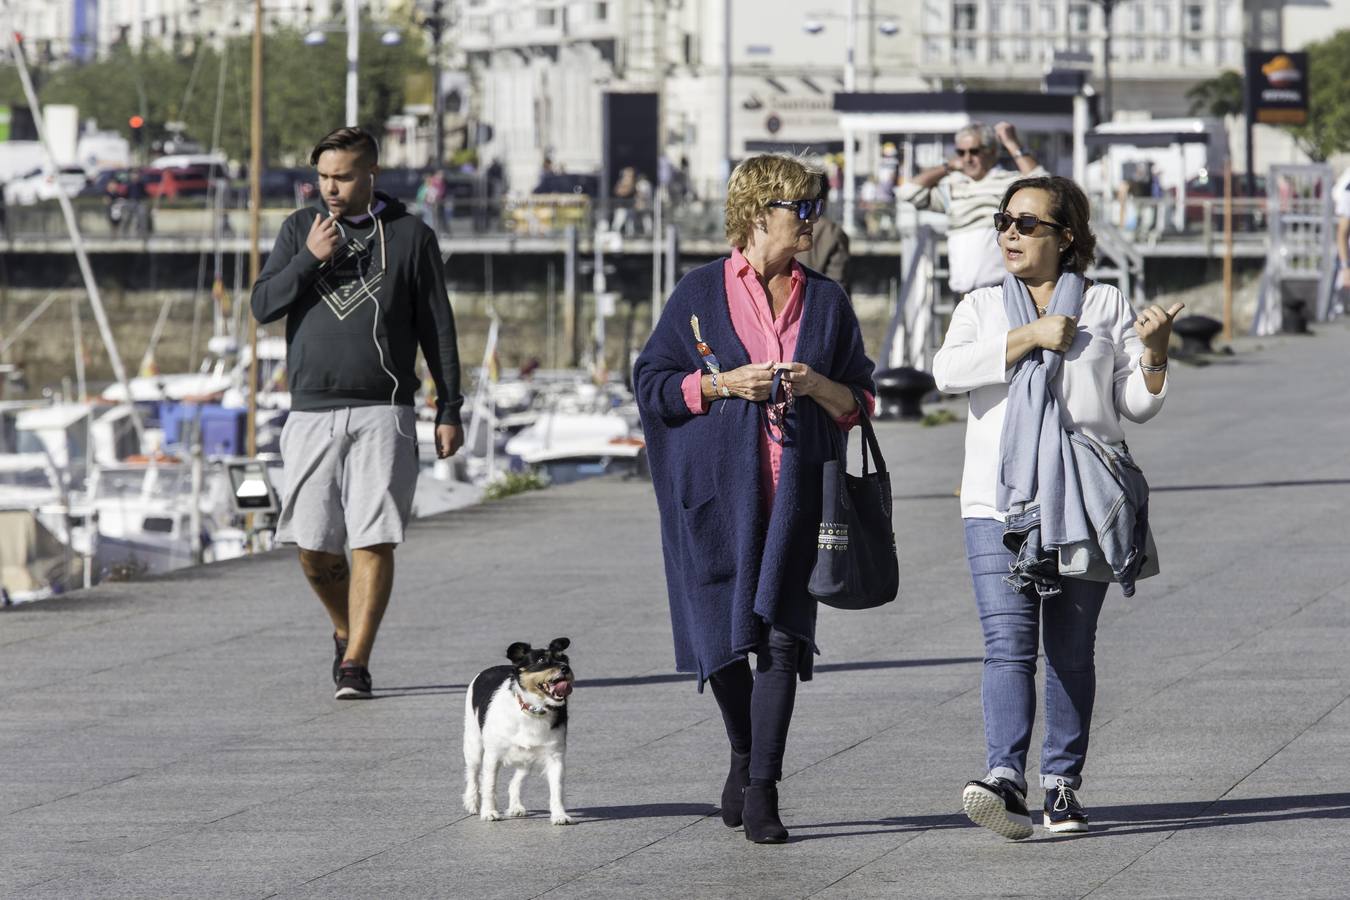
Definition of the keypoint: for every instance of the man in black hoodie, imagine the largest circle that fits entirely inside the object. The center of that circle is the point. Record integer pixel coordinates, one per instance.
(361, 285)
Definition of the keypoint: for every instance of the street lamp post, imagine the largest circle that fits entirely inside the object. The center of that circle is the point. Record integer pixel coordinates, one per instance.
(353, 58)
(1108, 6)
(435, 23)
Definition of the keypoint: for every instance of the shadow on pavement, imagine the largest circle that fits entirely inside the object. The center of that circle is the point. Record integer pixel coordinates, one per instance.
(1151, 817)
(889, 825)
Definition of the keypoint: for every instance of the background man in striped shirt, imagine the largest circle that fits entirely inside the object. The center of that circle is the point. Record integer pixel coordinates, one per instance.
(968, 188)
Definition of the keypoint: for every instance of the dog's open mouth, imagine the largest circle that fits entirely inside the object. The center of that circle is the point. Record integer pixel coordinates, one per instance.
(559, 688)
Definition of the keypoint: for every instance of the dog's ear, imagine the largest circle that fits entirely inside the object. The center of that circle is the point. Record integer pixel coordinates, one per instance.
(558, 645)
(518, 653)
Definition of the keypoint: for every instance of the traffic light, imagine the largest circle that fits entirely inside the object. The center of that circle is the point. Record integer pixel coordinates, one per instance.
(137, 131)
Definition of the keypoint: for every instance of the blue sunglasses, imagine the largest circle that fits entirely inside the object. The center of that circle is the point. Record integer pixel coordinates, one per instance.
(805, 208)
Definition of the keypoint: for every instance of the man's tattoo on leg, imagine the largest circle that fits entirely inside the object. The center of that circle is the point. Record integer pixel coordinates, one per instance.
(334, 573)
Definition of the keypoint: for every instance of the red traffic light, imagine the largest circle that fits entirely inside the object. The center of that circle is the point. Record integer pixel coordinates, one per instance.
(135, 121)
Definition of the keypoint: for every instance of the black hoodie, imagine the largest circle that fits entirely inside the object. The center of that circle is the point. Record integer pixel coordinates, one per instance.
(354, 322)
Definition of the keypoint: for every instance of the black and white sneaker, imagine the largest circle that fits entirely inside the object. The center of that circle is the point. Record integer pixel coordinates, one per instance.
(1063, 813)
(999, 805)
(353, 682)
(339, 651)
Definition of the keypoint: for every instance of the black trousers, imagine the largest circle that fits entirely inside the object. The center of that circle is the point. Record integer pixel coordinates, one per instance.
(757, 709)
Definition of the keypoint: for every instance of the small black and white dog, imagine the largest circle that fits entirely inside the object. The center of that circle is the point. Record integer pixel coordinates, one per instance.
(516, 715)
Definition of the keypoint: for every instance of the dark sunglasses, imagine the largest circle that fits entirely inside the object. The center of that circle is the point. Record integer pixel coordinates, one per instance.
(969, 151)
(805, 208)
(1026, 223)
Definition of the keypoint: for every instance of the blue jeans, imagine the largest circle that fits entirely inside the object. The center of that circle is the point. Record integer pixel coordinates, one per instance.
(1009, 620)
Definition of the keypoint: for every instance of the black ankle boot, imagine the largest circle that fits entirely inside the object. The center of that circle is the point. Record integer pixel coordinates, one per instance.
(732, 798)
(760, 814)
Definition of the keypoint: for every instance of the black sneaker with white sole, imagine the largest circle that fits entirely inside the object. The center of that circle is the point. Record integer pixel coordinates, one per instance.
(1063, 813)
(353, 682)
(339, 651)
(999, 805)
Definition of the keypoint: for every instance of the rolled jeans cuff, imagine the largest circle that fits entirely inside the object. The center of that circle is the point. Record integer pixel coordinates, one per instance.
(1050, 782)
(1012, 775)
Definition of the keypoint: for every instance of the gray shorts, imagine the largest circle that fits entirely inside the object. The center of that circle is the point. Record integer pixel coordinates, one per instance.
(350, 477)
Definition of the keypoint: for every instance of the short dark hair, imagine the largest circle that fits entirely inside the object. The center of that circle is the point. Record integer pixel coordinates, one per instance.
(1069, 207)
(348, 139)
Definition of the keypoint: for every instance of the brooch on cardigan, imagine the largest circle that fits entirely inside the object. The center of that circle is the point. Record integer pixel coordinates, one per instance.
(709, 358)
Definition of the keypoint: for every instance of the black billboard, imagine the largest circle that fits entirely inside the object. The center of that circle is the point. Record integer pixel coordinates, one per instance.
(1277, 87)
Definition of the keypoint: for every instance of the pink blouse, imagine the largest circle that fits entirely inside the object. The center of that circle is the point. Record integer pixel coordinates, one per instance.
(765, 339)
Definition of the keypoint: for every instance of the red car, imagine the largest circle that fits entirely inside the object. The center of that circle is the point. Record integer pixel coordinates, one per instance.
(172, 183)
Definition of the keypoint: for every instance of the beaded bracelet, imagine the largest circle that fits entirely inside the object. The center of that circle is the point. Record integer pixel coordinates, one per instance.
(720, 389)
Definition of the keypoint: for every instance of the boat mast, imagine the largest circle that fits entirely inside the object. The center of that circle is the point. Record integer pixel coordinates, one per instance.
(76, 239)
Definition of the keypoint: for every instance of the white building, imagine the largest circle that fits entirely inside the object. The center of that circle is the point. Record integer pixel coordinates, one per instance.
(543, 66)
(60, 30)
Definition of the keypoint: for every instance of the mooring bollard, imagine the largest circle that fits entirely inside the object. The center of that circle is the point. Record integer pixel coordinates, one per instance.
(1196, 333)
(900, 392)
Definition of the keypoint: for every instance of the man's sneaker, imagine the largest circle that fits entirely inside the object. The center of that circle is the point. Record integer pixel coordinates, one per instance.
(353, 682)
(999, 805)
(1063, 813)
(339, 651)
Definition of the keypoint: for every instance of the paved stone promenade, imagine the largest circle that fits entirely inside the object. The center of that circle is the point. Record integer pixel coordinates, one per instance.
(177, 738)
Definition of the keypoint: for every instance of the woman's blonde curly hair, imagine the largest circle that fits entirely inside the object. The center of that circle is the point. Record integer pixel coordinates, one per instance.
(759, 179)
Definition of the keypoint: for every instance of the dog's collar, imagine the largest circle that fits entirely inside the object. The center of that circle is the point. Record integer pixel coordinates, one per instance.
(526, 707)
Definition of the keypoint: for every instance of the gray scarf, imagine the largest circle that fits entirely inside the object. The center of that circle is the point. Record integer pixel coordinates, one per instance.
(1038, 489)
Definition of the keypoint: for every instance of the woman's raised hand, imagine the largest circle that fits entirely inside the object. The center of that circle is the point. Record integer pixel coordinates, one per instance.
(1055, 332)
(1154, 327)
(749, 382)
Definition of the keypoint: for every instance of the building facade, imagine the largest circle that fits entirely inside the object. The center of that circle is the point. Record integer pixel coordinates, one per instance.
(542, 67)
(1158, 48)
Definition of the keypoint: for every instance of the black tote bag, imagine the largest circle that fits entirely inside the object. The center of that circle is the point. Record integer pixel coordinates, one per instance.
(856, 565)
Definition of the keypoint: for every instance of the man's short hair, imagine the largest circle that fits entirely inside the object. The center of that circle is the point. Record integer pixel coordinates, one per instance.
(348, 139)
(981, 132)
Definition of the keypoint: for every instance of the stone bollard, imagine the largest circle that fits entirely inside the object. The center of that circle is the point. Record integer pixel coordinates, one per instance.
(1196, 333)
(900, 392)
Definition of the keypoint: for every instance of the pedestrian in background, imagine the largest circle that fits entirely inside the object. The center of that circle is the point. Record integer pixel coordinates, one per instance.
(738, 472)
(1340, 196)
(1052, 363)
(829, 245)
(360, 284)
(968, 188)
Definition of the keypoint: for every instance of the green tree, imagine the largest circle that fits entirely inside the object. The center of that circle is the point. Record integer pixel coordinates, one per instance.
(1328, 129)
(1219, 96)
(304, 89)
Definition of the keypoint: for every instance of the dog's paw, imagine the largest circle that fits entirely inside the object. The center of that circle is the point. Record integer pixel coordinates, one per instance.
(490, 815)
(516, 811)
(560, 818)
(471, 802)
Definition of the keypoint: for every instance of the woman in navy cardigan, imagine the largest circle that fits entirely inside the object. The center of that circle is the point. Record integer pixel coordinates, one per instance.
(737, 473)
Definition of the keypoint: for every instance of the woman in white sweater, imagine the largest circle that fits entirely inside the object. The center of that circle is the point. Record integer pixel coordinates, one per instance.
(1076, 357)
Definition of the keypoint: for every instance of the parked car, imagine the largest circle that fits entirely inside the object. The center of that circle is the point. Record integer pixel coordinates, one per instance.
(107, 182)
(39, 185)
(293, 186)
(173, 183)
(400, 183)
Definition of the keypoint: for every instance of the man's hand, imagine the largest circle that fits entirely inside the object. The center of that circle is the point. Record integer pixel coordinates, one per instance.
(449, 438)
(1345, 278)
(1154, 327)
(1055, 332)
(750, 382)
(323, 237)
(1007, 136)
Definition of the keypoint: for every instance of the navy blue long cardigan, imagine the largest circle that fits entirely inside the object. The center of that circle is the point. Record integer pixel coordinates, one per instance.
(728, 571)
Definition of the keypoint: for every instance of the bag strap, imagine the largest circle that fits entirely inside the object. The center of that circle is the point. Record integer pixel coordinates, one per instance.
(869, 440)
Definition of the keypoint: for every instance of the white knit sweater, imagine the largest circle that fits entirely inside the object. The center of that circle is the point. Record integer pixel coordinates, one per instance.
(1099, 382)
